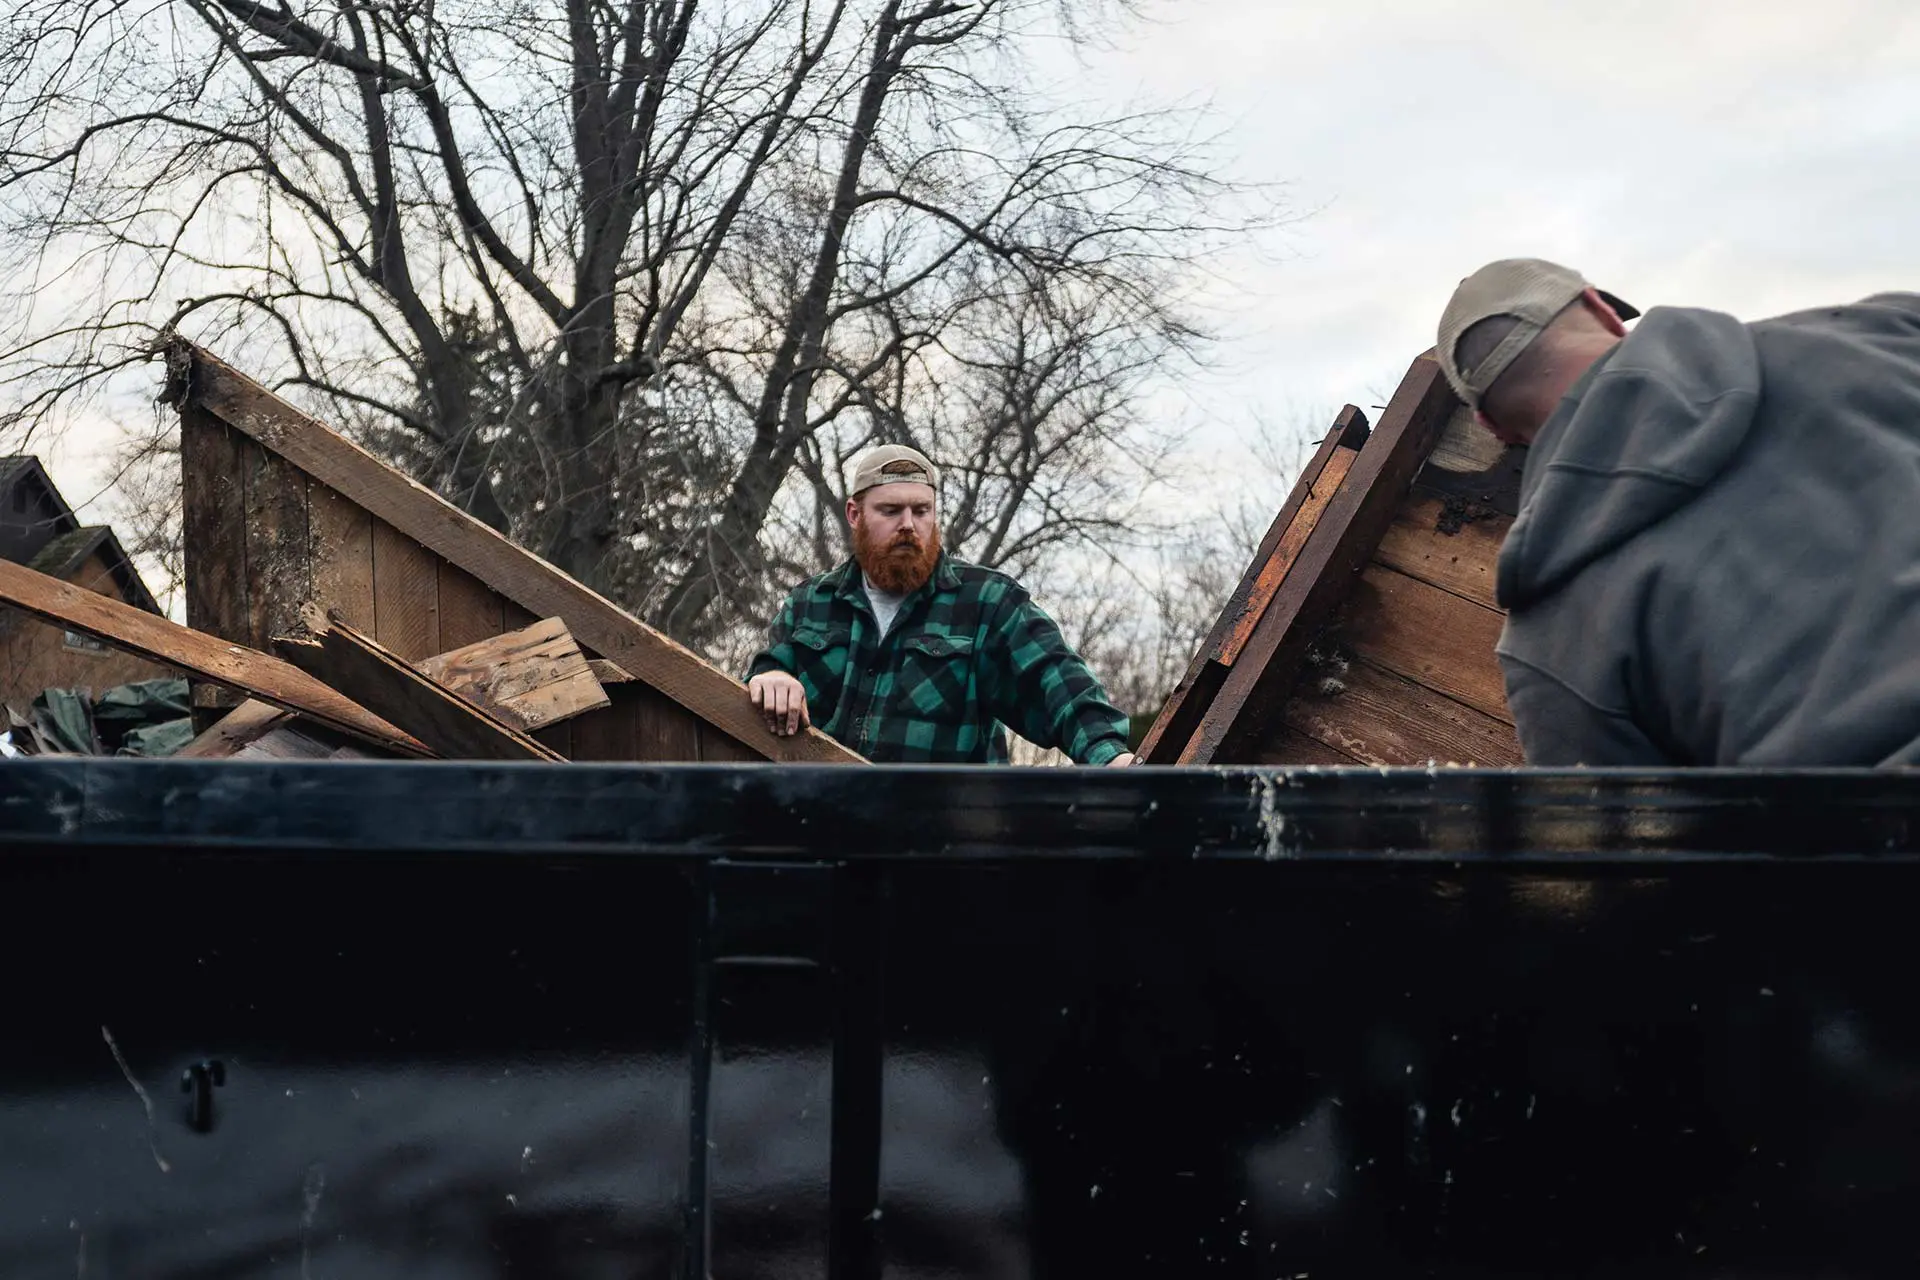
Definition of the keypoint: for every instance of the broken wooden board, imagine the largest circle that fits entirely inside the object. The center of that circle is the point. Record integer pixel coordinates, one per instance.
(247, 722)
(151, 636)
(382, 545)
(258, 730)
(373, 674)
(529, 678)
(1377, 647)
(1193, 698)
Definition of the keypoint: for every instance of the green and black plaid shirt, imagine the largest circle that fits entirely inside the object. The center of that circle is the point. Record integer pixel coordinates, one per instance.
(969, 652)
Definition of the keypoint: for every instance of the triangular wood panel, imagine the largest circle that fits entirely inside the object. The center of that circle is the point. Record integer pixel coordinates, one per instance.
(282, 511)
(1363, 631)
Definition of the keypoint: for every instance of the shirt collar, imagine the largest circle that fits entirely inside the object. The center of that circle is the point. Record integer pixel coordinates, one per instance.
(851, 585)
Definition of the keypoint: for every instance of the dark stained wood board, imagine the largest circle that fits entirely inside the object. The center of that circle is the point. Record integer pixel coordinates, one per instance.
(406, 594)
(1288, 746)
(340, 549)
(1173, 728)
(1430, 636)
(279, 561)
(470, 610)
(1464, 561)
(435, 525)
(1343, 541)
(214, 513)
(1380, 718)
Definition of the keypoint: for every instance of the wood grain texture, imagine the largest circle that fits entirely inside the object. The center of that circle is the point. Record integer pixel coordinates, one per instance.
(279, 572)
(1289, 746)
(529, 678)
(717, 748)
(250, 720)
(285, 743)
(470, 610)
(1430, 636)
(1342, 542)
(340, 550)
(1267, 581)
(213, 525)
(207, 657)
(1465, 562)
(406, 595)
(375, 676)
(1166, 740)
(1380, 718)
(415, 511)
(606, 734)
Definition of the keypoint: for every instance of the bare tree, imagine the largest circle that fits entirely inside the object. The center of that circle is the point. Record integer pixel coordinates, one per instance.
(625, 280)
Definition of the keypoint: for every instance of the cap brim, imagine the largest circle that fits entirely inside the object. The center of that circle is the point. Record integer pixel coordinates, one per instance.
(1625, 310)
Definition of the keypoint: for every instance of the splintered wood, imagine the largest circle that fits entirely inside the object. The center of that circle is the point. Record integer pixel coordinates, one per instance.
(376, 676)
(136, 631)
(529, 678)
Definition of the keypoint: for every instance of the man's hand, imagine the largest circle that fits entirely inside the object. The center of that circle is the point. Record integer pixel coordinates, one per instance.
(782, 701)
(1122, 760)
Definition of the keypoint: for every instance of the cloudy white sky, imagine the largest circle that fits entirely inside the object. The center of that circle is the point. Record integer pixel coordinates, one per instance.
(1755, 157)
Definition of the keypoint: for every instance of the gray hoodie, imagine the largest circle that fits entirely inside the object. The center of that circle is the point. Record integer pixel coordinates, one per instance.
(1717, 557)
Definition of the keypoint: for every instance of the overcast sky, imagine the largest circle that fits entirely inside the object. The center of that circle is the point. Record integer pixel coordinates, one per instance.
(1754, 157)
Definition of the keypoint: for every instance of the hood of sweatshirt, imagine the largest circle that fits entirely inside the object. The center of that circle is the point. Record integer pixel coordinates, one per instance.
(1638, 437)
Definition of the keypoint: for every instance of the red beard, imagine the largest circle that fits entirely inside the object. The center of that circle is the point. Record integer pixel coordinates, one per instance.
(900, 567)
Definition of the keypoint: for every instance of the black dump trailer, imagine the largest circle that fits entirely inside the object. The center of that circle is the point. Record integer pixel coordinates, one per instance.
(446, 1020)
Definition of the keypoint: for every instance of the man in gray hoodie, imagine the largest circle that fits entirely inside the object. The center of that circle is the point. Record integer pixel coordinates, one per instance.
(1717, 556)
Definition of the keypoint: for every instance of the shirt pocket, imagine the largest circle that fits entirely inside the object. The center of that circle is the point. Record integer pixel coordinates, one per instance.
(820, 660)
(936, 677)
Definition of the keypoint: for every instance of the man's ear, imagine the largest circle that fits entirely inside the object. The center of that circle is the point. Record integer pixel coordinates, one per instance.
(853, 511)
(1604, 312)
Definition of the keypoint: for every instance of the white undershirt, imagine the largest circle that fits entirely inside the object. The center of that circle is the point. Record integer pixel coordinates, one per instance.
(885, 607)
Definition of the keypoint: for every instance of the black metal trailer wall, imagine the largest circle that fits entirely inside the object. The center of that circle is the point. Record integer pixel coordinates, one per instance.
(472, 1021)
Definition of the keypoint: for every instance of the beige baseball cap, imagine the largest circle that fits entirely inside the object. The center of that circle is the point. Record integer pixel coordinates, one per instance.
(1530, 290)
(892, 464)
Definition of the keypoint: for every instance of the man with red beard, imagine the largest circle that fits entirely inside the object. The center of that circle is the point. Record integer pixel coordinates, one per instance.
(905, 653)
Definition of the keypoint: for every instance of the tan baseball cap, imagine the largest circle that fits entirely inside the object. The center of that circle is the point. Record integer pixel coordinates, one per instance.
(892, 464)
(1530, 290)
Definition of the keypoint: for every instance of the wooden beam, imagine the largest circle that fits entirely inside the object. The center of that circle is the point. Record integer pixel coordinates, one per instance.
(1192, 697)
(1342, 542)
(364, 669)
(150, 636)
(199, 380)
(529, 678)
(250, 720)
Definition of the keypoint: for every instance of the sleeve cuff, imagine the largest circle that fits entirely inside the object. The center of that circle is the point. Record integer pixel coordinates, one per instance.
(1105, 751)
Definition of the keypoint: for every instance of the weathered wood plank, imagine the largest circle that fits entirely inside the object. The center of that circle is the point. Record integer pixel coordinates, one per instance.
(1267, 581)
(718, 748)
(279, 573)
(470, 611)
(250, 720)
(1167, 738)
(1290, 746)
(1384, 719)
(340, 548)
(607, 734)
(1342, 541)
(1464, 562)
(210, 658)
(415, 511)
(406, 595)
(214, 522)
(529, 678)
(1430, 636)
(374, 675)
